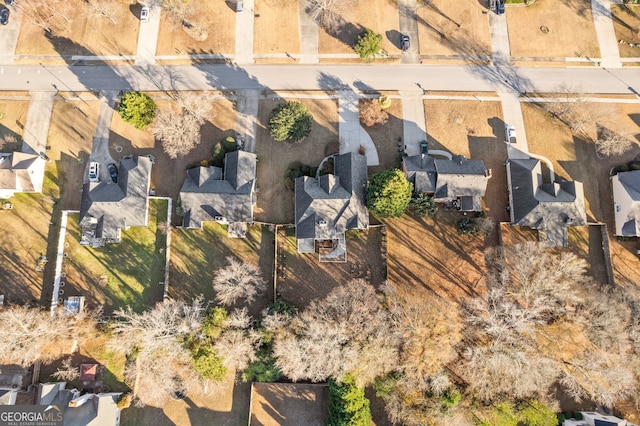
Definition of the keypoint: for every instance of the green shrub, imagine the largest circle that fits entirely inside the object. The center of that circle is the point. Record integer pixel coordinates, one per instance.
(347, 404)
(534, 413)
(207, 363)
(422, 205)
(229, 144)
(384, 101)
(138, 109)
(369, 44)
(467, 226)
(389, 193)
(290, 121)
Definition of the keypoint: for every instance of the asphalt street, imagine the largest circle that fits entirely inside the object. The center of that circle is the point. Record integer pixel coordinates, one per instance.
(311, 77)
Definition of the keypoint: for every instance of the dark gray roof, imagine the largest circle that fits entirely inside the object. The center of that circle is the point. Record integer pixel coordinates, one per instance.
(626, 196)
(116, 206)
(96, 410)
(326, 207)
(541, 206)
(421, 171)
(460, 177)
(205, 194)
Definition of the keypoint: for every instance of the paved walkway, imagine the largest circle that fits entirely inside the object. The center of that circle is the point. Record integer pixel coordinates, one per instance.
(36, 127)
(308, 36)
(59, 259)
(500, 48)
(603, 21)
(352, 134)
(148, 36)
(9, 38)
(244, 34)
(409, 26)
(512, 113)
(247, 117)
(413, 121)
(100, 147)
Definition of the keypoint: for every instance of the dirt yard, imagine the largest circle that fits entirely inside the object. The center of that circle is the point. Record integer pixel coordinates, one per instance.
(197, 253)
(288, 404)
(220, 19)
(118, 275)
(428, 258)
(167, 175)
(574, 158)
(454, 28)
(385, 137)
(550, 28)
(275, 199)
(302, 277)
(626, 21)
(476, 130)
(276, 27)
(13, 115)
(380, 16)
(84, 34)
(73, 124)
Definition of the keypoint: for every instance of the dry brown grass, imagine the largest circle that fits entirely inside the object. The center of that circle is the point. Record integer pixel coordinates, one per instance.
(626, 22)
(168, 175)
(454, 28)
(275, 199)
(277, 28)
(85, 35)
(385, 137)
(381, 17)
(275, 404)
(12, 113)
(571, 29)
(220, 17)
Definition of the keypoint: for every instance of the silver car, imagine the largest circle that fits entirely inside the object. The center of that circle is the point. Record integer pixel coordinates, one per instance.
(510, 133)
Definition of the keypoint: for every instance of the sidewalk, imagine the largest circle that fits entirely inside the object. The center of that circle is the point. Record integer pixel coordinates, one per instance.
(9, 38)
(244, 34)
(413, 121)
(603, 21)
(352, 135)
(308, 37)
(36, 127)
(247, 117)
(148, 36)
(100, 147)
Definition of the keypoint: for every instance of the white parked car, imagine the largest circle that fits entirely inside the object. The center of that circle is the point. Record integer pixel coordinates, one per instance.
(94, 171)
(144, 14)
(240, 6)
(510, 133)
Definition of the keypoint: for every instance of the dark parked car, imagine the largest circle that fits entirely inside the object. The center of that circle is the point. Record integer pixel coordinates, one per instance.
(500, 7)
(406, 43)
(11, 2)
(113, 172)
(4, 16)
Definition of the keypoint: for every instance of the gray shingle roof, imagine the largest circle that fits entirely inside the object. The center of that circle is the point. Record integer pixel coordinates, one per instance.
(117, 206)
(325, 208)
(626, 194)
(421, 171)
(97, 409)
(551, 206)
(14, 171)
(205, 194)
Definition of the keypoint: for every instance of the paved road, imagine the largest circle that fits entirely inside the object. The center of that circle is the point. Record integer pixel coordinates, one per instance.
(307, 77)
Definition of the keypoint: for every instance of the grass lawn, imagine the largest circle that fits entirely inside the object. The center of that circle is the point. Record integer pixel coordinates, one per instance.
(454, 28)
(385, 137)
(276, 27)
(626, 21)
(127, 274)
(12, 112)
(86, 33)
(219, 19)
(571, 31)
(197, 253)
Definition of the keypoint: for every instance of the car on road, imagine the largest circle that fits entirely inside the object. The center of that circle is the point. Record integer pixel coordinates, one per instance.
(144, 14)
(94, 171)
(113, 172)
(406, 43)
(4, 16)
(500, 7)
(510, 133)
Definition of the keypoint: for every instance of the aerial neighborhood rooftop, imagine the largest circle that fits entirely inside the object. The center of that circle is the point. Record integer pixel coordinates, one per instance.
(252, 212)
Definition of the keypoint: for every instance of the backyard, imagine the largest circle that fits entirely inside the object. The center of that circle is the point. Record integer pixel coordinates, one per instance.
(275, 199)
(130, 273)
(196, 254)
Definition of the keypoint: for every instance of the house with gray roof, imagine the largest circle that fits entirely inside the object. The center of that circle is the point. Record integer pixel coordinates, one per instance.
(547, 207)
(458, 181)
(89, 409)
(211, 194)
(327, 206)
(20, 172)
(626, 203)
(107, 208)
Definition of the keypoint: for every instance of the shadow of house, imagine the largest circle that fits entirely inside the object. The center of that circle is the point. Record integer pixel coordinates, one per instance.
(548, 208)
(626, 202)
(459, 182)
(107, 208)
(327, 206)
(291, 404)
(20, 172)
(89, 409)
(227, 197)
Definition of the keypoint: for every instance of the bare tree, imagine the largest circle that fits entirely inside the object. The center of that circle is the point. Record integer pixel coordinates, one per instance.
(68, 372)
(186, 15)
(610, 143)
(327, 13)
(347, 332)
(179, 132)
(105, 8)
(238, 280)
(371, 113)
(50, 15)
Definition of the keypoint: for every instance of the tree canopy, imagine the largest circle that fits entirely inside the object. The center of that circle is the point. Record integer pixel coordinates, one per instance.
(369, 44)
(389, 193)
(347, 404)
(138, 109)
(290, 121)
